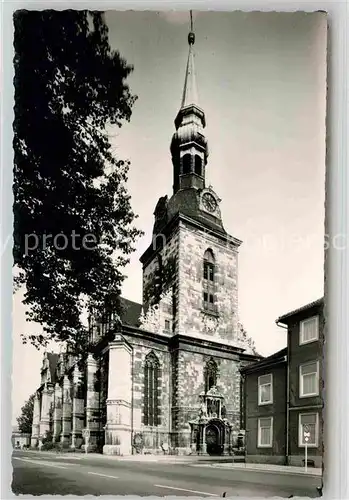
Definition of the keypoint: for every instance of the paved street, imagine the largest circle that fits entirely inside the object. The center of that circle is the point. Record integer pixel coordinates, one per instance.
(47, 474)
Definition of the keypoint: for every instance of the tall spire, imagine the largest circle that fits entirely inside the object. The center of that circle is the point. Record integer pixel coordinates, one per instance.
(190, 93)
(189, 146)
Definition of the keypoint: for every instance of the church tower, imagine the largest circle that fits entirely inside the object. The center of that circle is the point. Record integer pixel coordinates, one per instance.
(189, 145)
(190, 269)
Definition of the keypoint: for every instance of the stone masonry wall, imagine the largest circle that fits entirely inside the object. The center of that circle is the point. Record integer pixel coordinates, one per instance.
(188, 382)
(191, 318)
(188, 376)
(169, 251)
(153, 437)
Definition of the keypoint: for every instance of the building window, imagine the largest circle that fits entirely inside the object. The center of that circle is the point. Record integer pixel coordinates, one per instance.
(209, 303)
(152, 384)
(158, 277)
(210, 374)
(265, 389)
(167, 325)
(174, 302)
(308, 422)
(209, 266)
(186, 162)
(309, 330)
(309, 380)
(198, 165)
(265, 432)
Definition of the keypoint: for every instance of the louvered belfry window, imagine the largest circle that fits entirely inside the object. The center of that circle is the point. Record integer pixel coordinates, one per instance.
(198, 165)
(152, 392)
(210, 374)
(209, 285)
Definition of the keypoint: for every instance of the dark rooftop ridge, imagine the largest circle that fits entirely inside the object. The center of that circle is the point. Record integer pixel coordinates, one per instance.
(274, 358)
(315, 303)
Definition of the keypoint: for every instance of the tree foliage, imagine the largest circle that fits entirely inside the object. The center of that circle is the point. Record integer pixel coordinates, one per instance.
(25, 420)
(73, 221)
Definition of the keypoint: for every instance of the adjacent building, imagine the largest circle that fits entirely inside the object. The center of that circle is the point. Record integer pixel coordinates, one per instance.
(163, 376)
(282, 394)
(20, 439)
(264, 416)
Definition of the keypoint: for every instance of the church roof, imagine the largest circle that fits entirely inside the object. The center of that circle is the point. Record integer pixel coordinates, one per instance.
(186, 202)
(130, 312)
(52, 363)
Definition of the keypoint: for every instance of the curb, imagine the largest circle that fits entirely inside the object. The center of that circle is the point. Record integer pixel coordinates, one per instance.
(252, 469)
(133, 458)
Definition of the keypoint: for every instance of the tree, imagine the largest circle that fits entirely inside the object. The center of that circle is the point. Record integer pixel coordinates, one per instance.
(73, 221)
(25, 420)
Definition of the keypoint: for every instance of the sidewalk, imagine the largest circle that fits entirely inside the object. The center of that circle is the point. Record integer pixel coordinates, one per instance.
(143, 458)
(276, 469)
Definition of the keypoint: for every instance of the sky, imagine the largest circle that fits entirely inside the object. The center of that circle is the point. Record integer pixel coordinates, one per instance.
(262, 84)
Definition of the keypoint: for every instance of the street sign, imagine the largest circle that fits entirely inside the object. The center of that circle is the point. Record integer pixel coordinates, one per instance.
(306, 435)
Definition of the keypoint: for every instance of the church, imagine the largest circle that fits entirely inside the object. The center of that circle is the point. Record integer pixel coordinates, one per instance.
(165, 378)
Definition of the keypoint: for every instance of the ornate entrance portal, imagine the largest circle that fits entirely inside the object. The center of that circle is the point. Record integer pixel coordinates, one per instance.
(215, 438)
(211, 431)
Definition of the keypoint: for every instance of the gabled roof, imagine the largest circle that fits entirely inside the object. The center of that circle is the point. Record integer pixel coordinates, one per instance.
(130, 312)
(289, 315)
(53, 360)
(275, 358)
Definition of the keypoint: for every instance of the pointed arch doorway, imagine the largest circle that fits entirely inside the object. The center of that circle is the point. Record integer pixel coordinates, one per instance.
(215, 434)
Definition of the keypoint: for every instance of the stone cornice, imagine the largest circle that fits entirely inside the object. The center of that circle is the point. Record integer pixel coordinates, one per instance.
(173, 224)
(119, 341)
(188, 343)
(131, 334)
(157, 338)
(118, 402)
(50, 386)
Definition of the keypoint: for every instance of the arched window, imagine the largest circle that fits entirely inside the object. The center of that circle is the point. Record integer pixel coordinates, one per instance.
(158, 277)
(209, 286)
(198, 165)
(186, 162)
(152, 384)
(209, 265)
(210, 374)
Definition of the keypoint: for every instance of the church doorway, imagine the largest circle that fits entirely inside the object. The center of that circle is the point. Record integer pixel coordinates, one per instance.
(214, 438)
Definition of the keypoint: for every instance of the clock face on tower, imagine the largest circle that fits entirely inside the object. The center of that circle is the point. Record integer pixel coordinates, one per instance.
(209, 202)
